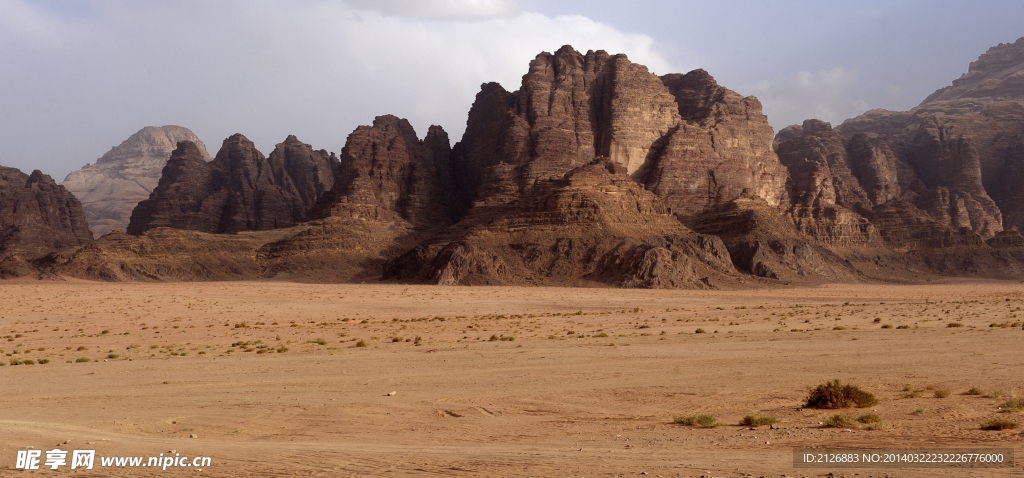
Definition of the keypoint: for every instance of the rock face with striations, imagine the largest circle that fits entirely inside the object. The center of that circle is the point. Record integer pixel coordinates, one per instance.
(240, 190)
(683, 137)
(111, 188)
(388, 174)
(594, 225)
(37, 216)
(962, 149)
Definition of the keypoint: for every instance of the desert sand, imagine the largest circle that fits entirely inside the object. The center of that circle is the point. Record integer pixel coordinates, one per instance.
(286, 379)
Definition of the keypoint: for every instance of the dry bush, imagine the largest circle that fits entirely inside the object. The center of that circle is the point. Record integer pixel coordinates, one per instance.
(836, 395)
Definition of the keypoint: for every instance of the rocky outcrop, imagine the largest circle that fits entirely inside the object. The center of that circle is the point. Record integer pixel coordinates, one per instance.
(37, 216)
(689, 140)
(111, 188)
(388, 174)
(592, 225)
(240, 190)
(963, 145)
(721, 148)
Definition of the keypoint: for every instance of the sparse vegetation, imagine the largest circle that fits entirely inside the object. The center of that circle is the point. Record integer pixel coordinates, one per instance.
(757, 421)
(703, 421)
(974, 391)
(1012, 405)
(869, 418)
(919, 411)
(699, 331)
(839, 421)
(998, 424)
(83, 360)
(361, 343)
(942, 393)
(834, 394)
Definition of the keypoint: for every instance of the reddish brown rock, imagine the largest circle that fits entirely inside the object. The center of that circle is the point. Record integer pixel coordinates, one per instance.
(722, 147)
(964, 142)
(388, 174)
(240, 190)
(687, 139)
(593, 225)
(37, 216)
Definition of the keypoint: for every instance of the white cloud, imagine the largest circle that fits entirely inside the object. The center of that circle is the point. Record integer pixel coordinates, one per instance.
(269, 68)
(441, 9)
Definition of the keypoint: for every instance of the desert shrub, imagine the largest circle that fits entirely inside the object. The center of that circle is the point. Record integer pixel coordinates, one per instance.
(494, 338)
(902, 327)
(756, 421)
(998, 424)
(839, 421)
(361, 343)
(836, 395)
(699, 331)
(942, 393)
(1012, 405)
(919, 411)
(83, 359)
(887, 326)
(869, 418)
(995, 394)
(974, 391)
(954, 324)
(44, 361)
(703, 421)
(113, 356)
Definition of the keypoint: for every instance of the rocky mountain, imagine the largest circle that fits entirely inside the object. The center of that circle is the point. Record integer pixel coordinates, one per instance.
(598, 172)
(946, 173)
(125, 175)
(240, 190)
(687, 139)
(37, 216)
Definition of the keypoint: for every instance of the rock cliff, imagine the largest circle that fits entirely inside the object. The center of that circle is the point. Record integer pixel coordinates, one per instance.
(111, 188)
(963, 147)
(388, 174)
(37, 216)
(240, 190)
(683, 137)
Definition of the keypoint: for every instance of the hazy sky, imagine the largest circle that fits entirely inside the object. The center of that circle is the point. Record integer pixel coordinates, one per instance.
(78, 77)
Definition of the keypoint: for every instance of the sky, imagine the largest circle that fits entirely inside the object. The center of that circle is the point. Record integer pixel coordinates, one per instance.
(79, 77)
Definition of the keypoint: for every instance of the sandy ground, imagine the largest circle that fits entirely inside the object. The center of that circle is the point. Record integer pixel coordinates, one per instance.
(283, 379)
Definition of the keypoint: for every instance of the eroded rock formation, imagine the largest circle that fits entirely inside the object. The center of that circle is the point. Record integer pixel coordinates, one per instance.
(592, 225)
(240, 190)
(37, 216)
(111, 188)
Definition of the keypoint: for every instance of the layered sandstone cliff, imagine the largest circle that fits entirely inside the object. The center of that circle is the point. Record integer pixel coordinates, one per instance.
(685, 138)
(111, 188)
(37, 216)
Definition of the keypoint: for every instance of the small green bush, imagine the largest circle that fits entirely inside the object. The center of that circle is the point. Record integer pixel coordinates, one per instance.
(1012, 405)
(839, 421)
(83, 359)
(836, 395)
(756, 421)
(703, 421)
(869, 418)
